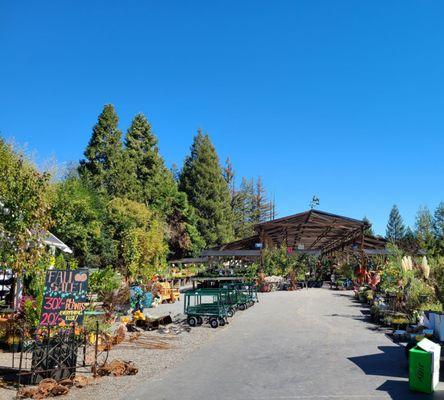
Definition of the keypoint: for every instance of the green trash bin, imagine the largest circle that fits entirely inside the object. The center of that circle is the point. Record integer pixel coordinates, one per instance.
(424, 361)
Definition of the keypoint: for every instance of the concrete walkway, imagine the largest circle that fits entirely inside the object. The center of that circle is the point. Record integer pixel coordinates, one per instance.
(309, 344)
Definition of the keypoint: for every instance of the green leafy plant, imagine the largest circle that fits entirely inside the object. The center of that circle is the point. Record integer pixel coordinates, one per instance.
(31, 313)
(369, 294)
(436, 307)
(278, 261)
(24, 208)
(104, 281)
(417, 293)
(346, 270)
(90, 323)
(437, 276)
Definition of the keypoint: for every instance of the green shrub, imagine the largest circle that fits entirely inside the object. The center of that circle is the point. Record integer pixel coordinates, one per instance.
(437, 307)
(417, 293)
(437, 267)
(104, 281)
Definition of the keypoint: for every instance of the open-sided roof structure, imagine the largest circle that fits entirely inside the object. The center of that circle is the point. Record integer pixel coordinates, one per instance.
(315, 230)
(309, 231)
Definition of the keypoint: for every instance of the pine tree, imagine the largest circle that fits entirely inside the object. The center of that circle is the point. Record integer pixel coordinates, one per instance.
(155, 183)
(262, 208)
(273, 208)
(424, 228)
(141, 148)
(105, 166)
(251, 216)
(242, 206)
(438, 221)
(202, 180)
(250, 206)
(157, 188)
(395, 226)
(368, 230)
(229, 176)
(175, 171)
(438, 228)
(409, 242)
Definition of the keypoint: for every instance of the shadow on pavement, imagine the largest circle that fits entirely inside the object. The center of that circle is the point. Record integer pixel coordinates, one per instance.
(393, 363)
(355, 303)
(352, 316)
(343, 293)
(399, 390)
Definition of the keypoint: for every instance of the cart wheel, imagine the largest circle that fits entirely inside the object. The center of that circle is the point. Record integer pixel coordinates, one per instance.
(221, 321)
(199, 320)
(192, 321)
(230, 312)
(214, 323)
(242, 307)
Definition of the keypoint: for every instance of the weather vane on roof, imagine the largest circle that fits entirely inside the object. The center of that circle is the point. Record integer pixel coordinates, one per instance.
(314, 202)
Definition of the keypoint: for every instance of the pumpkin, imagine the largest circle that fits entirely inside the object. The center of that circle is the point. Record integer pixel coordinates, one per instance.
(81, 277)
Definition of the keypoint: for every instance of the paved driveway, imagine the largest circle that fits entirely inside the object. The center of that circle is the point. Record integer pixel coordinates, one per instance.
(310, 344)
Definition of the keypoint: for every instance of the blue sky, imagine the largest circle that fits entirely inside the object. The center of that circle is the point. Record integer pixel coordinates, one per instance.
(342, 99)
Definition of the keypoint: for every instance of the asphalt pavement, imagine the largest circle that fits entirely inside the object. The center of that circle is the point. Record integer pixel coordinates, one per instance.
(308, 344)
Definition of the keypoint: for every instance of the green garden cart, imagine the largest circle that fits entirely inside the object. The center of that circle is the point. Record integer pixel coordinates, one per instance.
(206, 305)
(246, 294)
(230, 297)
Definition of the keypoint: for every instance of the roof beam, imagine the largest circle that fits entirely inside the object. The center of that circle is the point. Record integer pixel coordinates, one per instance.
(322, 235)
(341, 241)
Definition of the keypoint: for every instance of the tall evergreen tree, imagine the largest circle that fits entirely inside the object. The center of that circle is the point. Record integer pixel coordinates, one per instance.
(424, 228)
(250, 206)
(175, 171)
(157, 188)
(409, 242)
(147, 165)
(369, 230)
(438, 228)
(229, 176)
(262, 206)
(395, 226)
(203, 181)
(242, 206)
(438, 221)
(105, 166)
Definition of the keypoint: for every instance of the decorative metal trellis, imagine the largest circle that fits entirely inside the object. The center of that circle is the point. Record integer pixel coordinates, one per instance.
(58, 353)
(53, 356)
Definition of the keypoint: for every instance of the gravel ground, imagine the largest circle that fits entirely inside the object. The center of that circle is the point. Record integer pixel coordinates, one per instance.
(150, 362)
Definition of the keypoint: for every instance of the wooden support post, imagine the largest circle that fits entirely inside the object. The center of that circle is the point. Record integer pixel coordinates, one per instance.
(363, 266)
(262, 239)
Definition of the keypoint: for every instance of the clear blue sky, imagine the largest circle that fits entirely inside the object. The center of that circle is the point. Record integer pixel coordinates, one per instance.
(342, 99)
